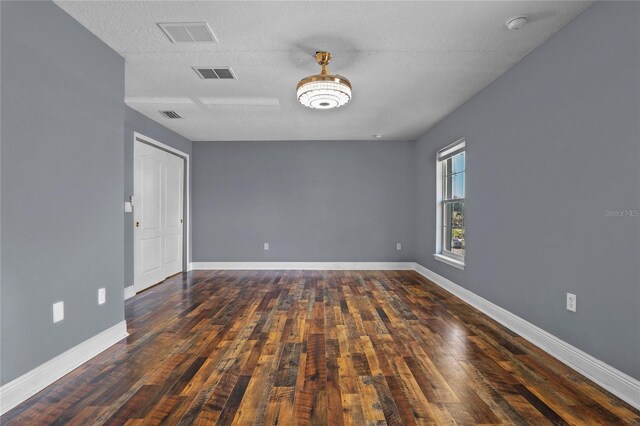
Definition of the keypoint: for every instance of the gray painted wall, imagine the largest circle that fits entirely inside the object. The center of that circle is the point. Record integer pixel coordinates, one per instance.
(551, 145)
(310, 200)
(62, 175)
(136, 122)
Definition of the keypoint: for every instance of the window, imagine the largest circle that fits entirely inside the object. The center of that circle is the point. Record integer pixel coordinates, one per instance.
(450, 245)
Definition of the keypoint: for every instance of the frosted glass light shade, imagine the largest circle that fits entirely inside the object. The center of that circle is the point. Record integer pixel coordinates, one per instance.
(324, 94)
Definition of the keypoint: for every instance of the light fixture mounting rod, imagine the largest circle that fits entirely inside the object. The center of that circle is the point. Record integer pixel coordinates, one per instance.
(323, 59)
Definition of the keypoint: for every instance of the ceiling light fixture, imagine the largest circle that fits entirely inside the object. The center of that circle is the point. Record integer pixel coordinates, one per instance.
(324, 90)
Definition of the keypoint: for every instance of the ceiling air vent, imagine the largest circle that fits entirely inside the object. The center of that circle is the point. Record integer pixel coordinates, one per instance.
(188, 32)
(170, 114)
(208, 73)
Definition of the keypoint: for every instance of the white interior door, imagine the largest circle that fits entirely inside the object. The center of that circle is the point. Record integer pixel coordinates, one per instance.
(158, 208)
(173, 207)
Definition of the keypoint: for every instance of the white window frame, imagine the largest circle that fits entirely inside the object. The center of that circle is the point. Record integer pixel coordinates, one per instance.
(452, 259)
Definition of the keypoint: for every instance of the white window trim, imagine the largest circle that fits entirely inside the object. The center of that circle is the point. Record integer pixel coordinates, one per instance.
(441, 255)
(449, 260)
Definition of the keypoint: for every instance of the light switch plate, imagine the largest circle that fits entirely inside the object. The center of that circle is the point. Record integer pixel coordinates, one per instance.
(102, 296)
(128, 207)
(266, 246)
(398, 246)
(58, 311)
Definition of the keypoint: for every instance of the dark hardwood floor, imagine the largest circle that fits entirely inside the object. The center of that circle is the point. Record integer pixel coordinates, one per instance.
(319, 347)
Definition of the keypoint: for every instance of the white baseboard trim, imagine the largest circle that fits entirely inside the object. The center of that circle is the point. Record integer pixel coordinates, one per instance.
(319, 266)
(27, 385)
(129, 292)
(615, 381)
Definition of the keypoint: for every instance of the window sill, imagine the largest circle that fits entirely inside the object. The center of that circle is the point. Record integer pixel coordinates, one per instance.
(449, 261)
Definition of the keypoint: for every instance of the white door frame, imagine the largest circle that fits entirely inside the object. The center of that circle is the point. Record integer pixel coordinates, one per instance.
(187, 198)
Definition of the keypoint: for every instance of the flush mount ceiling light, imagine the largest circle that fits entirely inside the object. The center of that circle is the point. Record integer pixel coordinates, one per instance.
(324, 90)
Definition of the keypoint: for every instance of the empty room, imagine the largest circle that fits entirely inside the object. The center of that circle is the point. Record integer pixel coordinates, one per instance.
(319, 212)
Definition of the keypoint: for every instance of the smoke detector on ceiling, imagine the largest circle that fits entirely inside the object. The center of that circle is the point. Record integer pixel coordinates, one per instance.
(516, 23)
(188, 32)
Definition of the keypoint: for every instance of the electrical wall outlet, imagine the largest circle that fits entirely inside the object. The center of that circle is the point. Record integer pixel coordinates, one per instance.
(398, 246)
(572, 300)
(58, 311)
(102, 296)
(266, 246)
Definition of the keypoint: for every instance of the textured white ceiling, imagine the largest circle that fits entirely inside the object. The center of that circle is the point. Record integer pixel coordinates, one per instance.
(410, 63)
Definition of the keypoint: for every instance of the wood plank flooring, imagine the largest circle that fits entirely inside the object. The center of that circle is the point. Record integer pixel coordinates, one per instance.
(317, 347)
